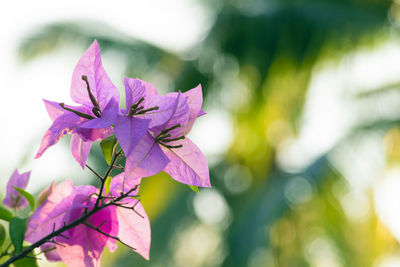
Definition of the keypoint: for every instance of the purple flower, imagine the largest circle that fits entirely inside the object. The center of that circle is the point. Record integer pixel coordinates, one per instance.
(13, 198)
(83, 245)
(165, 146)
(92, 120)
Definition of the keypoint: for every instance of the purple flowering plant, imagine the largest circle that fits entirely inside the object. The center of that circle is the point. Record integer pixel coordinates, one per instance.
(74, 224)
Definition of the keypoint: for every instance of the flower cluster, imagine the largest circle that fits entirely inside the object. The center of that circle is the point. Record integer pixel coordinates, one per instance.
(151, 129)
(75, 223)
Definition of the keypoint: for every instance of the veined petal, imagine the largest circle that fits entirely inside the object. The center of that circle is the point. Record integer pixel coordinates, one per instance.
(63, 125)
(150, 89)
(134, 90)
(188, 164)
(84, 245)
(108, 116)
(172, 110)
(13, 198)
(80, 149)
(94, 134)
(146, 159)
(53, 109)
(100, 84)
(129, 131)
(195, 101)
(134, 227)
(50, 213)
(50, 252)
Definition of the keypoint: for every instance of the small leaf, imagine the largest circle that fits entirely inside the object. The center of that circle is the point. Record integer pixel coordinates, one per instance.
(2, 234)
(194, 188)
(29, 197)
(107, 147)
(5, 214)
(27, 261)
(17, 232)
(107, 185)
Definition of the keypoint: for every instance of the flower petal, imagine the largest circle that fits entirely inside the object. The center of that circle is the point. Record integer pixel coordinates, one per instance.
(173, 110)
(108, 117)
(100, 84)
(146, 159)
(188, 164)
(84, 245)
(195, 100)
(129, 131)
(50, 213)
(134, 90)
(13, 198)
(134, 227)
(80, 149)
(63, 125)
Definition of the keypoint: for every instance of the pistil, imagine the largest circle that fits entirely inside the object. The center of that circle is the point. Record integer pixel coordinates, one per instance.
(96, 108)
(80, 114)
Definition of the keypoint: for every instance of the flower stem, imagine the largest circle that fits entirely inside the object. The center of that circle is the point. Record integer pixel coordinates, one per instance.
(58, 232)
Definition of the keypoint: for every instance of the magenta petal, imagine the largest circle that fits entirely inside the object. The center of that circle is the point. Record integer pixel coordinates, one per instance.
(13, 198)
(108, 116)
(94, 134)
(84, 245)
(53, 109)
(50, 252)
(100, 84)
(150, 89)
(146, 159)
(129, 131)
(80, 149)
(172, 110)
(63, 125)
(195, 100)
(50, 212)
(188, 164)
(119, 185)
(201, 113)
(134, 228)
(134, 90)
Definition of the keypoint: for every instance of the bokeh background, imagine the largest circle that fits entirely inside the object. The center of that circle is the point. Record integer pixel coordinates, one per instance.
(302, 133)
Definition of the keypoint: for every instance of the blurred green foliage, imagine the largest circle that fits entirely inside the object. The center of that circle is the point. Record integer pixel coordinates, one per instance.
(256, 62)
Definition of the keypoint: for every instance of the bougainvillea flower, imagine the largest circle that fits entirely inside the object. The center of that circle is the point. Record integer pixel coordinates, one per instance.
(92, 120)
(83, 244)
(145, 109)
(13, 198)
(166, 142)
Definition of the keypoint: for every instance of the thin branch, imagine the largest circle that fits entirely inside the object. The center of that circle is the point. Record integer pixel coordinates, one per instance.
(98, 175)
(103, 180)
(108, 235)
(66, 227)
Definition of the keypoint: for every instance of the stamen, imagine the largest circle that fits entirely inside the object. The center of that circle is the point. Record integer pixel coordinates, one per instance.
(173, 139)
(161, 136)
(168, 146)
(96, 111)
(80, 114)
(170, 129)
(147, 110)
(133, 108)
(91, 96)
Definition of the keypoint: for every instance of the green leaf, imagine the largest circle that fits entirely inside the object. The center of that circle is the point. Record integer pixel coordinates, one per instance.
(2, 234)
(29, 197)
(26, 262)
(194, 188)
(107, 147)
(17, 232)
(107, 185)
(5, 214)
